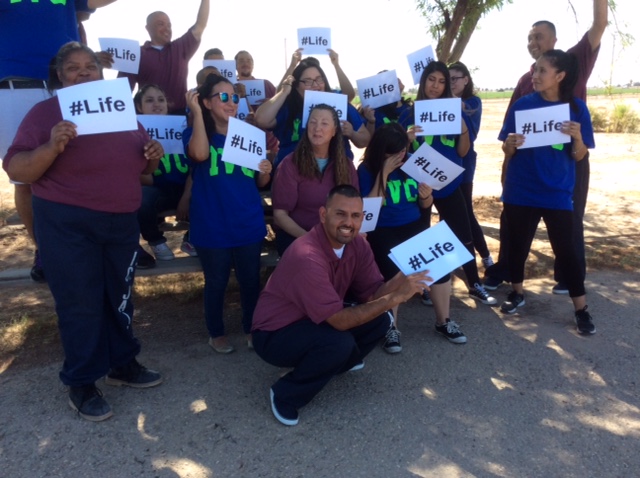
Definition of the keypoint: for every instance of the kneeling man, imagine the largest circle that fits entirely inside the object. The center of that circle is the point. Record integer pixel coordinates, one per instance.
(301, 321)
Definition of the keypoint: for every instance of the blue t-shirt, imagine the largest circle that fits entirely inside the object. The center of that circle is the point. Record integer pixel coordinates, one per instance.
(471, 114)
(172, 169)
(400, 205)
(289, 139)
(31, 33)
(226, 207)
(543, 176)
(405, 116)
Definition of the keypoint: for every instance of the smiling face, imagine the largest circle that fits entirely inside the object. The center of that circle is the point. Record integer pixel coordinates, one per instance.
(310, 79)
(321, 128)
(341, 219)
(546, 77)
(458, 82)
(540, 40)
(79, 67)
(435, 85)
(244, 65)
(159, 28)
(153, 102)
(221, 111)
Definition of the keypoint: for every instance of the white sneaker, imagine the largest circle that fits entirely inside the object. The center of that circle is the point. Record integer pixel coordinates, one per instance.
(162, 252)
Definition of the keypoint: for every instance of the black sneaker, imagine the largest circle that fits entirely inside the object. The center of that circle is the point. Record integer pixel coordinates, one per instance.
(584, 322)
(37, 272)
(285, 414)
(452, 332)
(392, 341)
(88, 402)
(492, 283)
(145, 260)
(133, 375)
(560, 289)
(477, 292)
(426, 298)
(514, 300)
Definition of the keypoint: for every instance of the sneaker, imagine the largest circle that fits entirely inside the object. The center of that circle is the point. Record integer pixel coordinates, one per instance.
(37, 272)
(514, 300)
(392, 341)
(285, 414)
(133, 375)
(426, 299)
(584, 322)
(479, 293)
(88, 402)
(452, 332)
(492, 283)
(487, 261)
(188, 248)
(356, 367)
(145, 260)
(560, 289)
(162, 252)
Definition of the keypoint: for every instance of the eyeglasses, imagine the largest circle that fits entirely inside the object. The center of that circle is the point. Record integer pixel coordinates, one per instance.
(224, 97)
(456, 78)
(312, 81)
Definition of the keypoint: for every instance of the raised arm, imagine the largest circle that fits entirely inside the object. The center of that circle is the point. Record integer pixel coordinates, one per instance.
(201, 20)
(345, 85)
(600, 22)
(93, 4)
(267, 111)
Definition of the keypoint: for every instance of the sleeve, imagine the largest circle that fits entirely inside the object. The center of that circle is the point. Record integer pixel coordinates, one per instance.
(365, 180)
(586, 128)
(284, 192)
(30, 135)
(186, 137)
(473, 113)
(509, 125)
(354, 117)
(586, 57)
(269, 89)
(187, 44)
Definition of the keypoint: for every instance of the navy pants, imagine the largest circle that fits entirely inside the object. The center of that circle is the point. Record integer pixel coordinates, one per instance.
(216, 265)
(318, 352)
(90, 259)
(155, 200)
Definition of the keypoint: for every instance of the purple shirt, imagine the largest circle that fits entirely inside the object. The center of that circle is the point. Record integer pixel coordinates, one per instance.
(97, 171)
(311, 281)
(586, 56)
(168, 68)
(302, 197)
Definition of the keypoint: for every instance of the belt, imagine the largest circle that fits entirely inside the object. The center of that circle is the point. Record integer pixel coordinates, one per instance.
(22, 84)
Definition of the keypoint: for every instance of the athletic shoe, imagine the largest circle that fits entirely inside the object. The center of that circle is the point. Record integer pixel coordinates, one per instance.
(285, 414)
(560, 289)
(392, 341)
(492, 283)
(426, 298)
(162, 252)
(452, 332)
(145, 260)
(584, 322)
(188, 248)
(487, 261)
(37, 272)
(514, 300)
(477, 292)
(356, 367)
(133, 375)
(88, 402)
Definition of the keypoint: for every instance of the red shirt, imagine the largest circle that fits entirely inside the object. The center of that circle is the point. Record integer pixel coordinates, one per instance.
(312, 282)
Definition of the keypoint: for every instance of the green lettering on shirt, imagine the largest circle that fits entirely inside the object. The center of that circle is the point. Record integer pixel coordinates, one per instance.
(559, 147)
(296, 130)
(394, 189)
(214, 170)
(54, 2)
(412, 196)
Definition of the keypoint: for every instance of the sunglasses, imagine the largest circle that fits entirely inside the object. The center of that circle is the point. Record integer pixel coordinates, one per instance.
(224, 97)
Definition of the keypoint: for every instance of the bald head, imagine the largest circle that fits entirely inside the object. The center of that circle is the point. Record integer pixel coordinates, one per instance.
(159, 28)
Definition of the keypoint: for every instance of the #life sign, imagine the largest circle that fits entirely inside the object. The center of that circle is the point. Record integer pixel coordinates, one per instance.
(441, 116)
(542, 126)
(166, 129)
(336, 100)
(244, 109)
(418, 61)
(245, 145)
(227, 68)
(371, 213)
(103, 106)
(255, 91)
(379, 90)
(314, 41)
(437, 250)
(428, 166)
(126, 53)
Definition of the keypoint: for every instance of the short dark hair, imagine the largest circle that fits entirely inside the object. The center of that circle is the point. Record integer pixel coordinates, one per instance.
(213, 51)
(346, 190)
(547, 24)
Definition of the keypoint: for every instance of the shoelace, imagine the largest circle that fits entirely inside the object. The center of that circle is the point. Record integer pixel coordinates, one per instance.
(393, 335)
(452, 327)
(481, 291)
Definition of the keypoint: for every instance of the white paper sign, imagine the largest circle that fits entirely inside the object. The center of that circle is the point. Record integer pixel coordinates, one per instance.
(443, 116)
(126, 53)
(437, 250)
(167, 130)
(255, 90)
(428, 166)
(243, 109)
(371, 213)
(227, 68)
(314, 41)
(103, 106)
(379, 90)
(245, 145)
(541, 126)
(335, 100)
(418, 61)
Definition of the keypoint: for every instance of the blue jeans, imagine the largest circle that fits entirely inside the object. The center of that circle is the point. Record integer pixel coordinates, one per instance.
(216, 265)
(90, 261)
